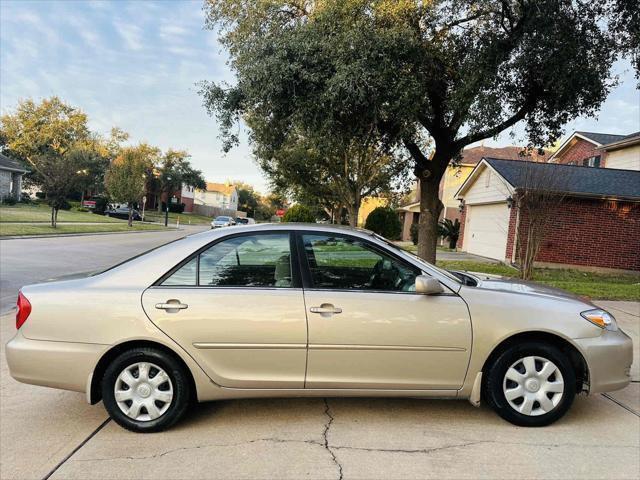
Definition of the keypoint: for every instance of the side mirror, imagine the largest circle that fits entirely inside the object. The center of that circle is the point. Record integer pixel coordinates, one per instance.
(428, 285)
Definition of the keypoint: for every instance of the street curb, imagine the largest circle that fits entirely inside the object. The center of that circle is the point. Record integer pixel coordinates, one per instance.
(24, 237)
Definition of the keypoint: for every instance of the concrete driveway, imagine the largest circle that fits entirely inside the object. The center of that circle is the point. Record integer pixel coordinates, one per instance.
(46, 433)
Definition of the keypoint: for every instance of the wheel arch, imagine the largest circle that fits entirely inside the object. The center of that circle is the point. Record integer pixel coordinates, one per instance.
(94, 395)
(576, 358)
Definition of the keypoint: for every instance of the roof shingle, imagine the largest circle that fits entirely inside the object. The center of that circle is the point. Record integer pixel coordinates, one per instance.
(11, 164)
(573, 179)
(601, 138)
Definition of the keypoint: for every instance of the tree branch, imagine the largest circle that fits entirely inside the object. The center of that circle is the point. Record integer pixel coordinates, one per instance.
(522, 112)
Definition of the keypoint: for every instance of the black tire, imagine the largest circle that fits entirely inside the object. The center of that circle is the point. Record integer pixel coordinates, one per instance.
(179, 382)
(495, 376)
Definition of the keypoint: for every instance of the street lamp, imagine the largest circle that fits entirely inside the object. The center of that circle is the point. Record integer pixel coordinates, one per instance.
(166, 205)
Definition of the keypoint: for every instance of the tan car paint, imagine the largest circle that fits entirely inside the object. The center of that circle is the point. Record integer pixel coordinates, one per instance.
(388, 340)
(241, 340)
(88, 317)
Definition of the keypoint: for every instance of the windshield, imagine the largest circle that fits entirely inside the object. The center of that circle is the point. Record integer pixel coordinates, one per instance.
(442, 271)
(222, 219)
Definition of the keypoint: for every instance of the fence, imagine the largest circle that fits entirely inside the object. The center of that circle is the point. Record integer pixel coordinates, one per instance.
(213, 212)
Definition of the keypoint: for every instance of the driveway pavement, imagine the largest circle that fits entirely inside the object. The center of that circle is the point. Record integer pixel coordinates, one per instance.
(46, 433)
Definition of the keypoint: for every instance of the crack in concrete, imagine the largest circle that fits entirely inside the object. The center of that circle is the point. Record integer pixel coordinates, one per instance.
(198, 447)
(325, 436)
(410, 451)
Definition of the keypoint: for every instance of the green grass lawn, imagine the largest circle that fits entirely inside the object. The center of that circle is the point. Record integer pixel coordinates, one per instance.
(601, 286)
(45, 229)
(185, 218)
(42, 213)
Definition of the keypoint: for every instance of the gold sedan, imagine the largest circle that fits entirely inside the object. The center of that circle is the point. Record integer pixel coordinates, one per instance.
(309, 310)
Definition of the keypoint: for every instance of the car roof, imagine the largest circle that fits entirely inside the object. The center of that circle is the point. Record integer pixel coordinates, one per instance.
(324, 227)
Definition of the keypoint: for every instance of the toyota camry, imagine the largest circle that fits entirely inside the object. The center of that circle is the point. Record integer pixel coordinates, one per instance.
(309, 310)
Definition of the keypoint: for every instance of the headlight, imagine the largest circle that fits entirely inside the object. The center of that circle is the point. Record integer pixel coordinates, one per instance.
(601, 319)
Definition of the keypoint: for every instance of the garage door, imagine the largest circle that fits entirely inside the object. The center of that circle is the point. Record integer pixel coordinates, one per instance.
(486, 230)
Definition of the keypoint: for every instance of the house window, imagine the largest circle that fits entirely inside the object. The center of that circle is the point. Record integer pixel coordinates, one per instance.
(592, 161)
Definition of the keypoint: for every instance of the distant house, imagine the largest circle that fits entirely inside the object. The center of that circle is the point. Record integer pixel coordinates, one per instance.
(218, 195)
(454, 178)
(603, 150)
(597, 226)
(11, 172)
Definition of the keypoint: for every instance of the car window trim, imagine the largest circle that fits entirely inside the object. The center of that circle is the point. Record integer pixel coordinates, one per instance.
(307, 281)
(295, 265)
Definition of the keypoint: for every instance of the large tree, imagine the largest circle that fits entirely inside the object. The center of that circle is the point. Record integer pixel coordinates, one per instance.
(51, 138)
(339, 172)
(126, 178)
(457, 70)
(172, 171)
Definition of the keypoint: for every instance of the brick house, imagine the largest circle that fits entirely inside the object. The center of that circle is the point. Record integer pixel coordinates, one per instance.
(592, 149)
(597, 226)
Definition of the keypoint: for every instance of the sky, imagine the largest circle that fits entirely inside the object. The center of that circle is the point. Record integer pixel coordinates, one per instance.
(136, 64)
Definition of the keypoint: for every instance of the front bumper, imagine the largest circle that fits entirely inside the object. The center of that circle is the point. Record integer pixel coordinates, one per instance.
(62, 365)
(609, 358)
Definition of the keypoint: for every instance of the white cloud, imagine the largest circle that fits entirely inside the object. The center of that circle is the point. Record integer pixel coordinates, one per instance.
(131, 34)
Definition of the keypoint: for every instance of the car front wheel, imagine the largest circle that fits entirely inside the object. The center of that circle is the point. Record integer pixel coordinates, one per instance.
(145, 390)
(531, 384)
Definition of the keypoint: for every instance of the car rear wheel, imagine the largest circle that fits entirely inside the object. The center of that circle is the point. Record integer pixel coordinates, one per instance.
(145, 390)
(531, 384)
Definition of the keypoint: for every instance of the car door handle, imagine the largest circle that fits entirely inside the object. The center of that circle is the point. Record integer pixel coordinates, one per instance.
(325, 309)
(172, 305)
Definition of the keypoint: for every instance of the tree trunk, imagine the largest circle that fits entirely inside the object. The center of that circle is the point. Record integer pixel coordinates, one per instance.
(353, 215)
(430, 208)
(130, 223)
(53, 217)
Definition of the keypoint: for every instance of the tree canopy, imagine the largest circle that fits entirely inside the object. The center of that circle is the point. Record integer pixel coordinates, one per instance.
(457, 71)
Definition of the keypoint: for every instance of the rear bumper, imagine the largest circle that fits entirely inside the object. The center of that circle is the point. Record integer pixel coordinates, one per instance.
(609, 358)
(52, 364)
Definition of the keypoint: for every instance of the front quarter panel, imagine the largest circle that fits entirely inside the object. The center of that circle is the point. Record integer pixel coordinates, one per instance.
(498, 315)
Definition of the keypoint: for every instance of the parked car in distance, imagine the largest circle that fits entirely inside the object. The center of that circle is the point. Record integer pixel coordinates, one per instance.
(222, 221)
(310, 310)
(245, 221)
(122, 212)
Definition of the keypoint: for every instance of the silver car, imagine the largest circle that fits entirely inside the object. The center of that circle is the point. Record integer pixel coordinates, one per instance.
(222, 221)
(309, 310)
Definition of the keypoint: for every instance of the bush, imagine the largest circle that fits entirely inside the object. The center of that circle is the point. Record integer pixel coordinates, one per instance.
(414, 233)
(176, 207)
(299, 213)
(384, 221)
(82, 209)
(9, 201)
(101, 205)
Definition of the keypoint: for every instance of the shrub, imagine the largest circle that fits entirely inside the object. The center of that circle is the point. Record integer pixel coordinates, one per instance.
(413, 231)
(299, 213)
(82, 209)
(101, 205)
(9, 201)
(176, 207)
(384, 221)
(450, 230)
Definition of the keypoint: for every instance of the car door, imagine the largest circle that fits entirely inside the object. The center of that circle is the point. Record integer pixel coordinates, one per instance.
(237, 308)
(367, 326)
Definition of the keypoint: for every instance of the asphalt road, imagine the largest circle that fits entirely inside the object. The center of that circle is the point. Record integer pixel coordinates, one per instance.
(46, 433)
(33, 260)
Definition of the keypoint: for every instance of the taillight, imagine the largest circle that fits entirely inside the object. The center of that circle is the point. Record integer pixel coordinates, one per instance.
(24, 309)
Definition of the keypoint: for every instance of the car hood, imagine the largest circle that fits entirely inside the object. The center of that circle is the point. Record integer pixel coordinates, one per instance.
(497, 282)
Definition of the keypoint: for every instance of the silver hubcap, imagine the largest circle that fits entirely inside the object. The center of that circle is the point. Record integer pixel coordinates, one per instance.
(143, 391)
(533, 386)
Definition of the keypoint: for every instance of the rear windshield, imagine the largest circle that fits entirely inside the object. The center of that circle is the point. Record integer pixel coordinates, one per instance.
(136, 256)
